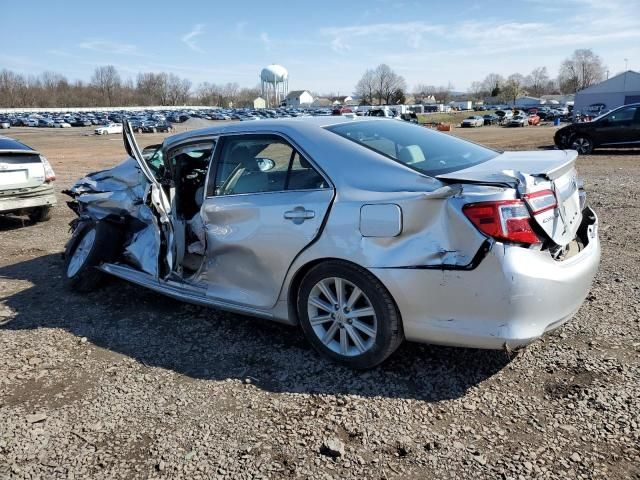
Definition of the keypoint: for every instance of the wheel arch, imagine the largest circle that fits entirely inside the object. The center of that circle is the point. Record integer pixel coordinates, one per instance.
(296, 280)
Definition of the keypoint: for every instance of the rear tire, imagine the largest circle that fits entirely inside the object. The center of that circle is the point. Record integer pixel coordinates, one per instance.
(91, 244)
(40, 214)
(363, 327)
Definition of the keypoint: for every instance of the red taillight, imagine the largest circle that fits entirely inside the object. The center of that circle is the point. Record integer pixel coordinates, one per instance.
(503, 220)
(49, 175)
(541, 201)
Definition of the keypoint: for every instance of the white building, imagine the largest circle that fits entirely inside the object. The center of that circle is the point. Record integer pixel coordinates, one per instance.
(612, 93)
(259, 102)
(343, 100)
(298, 98)
(462, 105)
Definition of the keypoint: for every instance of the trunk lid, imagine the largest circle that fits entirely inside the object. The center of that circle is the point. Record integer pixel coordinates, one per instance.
(20, 169)
(531, 172)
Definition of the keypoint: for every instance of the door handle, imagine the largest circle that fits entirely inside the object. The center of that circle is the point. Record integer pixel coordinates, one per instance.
(299, 215)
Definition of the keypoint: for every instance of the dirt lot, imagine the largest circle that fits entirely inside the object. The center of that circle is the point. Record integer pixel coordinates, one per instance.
(126, 383)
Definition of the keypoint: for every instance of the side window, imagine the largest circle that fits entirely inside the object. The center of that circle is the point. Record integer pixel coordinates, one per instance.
(303, 176)
(252, 165)
(622, 116)
(257, 163)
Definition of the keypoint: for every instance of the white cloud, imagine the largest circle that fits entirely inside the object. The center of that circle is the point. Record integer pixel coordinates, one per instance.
(338, 46)
(266, 40)
(190, 38)
(107, 46)
(411, 32)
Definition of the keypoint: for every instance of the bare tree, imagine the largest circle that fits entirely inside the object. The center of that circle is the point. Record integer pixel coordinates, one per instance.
(513, 88)
(492, 84)
(366, 87)
(537, 81)
(583, 69)
(107, 80)
(476, 90)
(11, 85)
(387, 82)
(177, 89)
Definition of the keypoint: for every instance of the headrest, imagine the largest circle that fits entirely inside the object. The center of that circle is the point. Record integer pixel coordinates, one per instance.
(411, 154)
(242, 155)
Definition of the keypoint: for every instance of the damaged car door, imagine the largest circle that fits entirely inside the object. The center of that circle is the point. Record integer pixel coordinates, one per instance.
(265, 202)
(158, 199)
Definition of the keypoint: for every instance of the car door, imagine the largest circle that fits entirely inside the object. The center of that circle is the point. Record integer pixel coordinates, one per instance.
(617, 128)
(157, 199)
(265, 202)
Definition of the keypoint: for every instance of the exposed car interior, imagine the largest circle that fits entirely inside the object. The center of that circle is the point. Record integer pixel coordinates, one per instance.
(189, 165)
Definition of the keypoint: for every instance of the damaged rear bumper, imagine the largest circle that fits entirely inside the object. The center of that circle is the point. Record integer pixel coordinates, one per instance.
(27, 198)
(510, 299)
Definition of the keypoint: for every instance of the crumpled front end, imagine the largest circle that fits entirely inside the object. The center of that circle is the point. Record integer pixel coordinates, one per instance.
(118, 195)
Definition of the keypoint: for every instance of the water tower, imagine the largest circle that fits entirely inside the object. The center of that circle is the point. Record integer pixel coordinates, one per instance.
(274, 80)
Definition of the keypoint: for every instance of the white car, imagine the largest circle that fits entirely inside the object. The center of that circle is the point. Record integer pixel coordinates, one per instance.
(473, 121)
(61, 124)
(109, 128)
(26, 181)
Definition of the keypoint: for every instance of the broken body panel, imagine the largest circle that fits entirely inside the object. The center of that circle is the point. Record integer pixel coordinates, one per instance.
(421, 245)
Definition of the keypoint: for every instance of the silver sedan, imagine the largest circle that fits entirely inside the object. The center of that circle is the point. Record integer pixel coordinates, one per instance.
(363, 231)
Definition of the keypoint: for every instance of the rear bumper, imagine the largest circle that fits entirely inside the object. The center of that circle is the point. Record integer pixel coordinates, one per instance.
(25, 199)
(510, 299)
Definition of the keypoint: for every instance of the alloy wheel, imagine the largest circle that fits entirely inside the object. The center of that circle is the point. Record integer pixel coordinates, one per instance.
(581, 145)
(342, 316)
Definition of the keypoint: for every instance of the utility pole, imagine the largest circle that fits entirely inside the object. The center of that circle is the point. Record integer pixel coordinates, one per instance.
(626, 63)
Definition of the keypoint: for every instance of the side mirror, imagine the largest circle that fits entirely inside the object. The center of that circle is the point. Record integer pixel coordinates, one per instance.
(265, 164)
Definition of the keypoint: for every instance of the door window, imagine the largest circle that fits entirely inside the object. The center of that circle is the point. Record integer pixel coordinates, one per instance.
(302, 176)
(624, 116)
(262, 163)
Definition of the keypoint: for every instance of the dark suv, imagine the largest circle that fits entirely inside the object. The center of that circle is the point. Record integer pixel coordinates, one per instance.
(619, 128)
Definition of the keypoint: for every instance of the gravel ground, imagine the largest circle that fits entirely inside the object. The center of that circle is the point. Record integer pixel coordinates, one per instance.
(125, 383)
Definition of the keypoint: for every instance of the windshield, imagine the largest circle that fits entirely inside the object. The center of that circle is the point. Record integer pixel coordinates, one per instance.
(429, 152)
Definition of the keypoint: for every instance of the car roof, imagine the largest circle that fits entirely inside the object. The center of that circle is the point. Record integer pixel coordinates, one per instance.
(276, 124)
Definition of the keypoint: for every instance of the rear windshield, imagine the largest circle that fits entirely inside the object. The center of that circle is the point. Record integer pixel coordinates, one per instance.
(429, 152)
(7, 143)
(13, 159)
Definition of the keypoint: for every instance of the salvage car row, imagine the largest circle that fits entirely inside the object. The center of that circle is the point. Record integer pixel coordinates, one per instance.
(507, 118)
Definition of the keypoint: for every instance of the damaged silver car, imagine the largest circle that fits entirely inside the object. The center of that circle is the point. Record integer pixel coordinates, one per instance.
(362, 231)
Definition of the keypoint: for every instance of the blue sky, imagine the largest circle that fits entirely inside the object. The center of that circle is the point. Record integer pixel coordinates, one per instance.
(326, 45)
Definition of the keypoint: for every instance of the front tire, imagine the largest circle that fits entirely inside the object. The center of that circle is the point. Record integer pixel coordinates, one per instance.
(348, 315)
(91, 244)
(582, 144)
